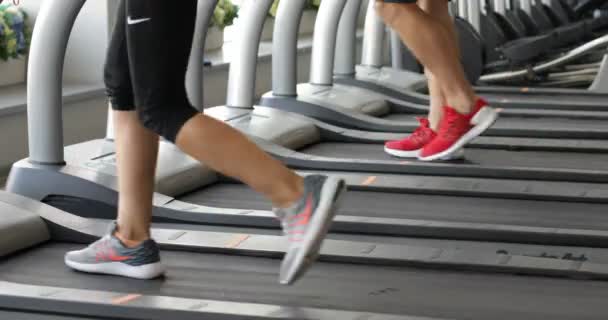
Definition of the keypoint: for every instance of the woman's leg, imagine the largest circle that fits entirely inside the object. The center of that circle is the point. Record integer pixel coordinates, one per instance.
(431, 42)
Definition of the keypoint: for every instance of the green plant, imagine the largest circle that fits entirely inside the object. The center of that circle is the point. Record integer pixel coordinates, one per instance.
(310, 4)
(224, 14)
(15, 33)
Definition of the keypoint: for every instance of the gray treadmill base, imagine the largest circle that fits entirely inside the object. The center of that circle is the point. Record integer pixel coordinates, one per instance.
(586, 134)
(354, 120)
(15, 315)
(67, 227)
(19, 229)
(77, 194)
(116, 305)
(406, 99)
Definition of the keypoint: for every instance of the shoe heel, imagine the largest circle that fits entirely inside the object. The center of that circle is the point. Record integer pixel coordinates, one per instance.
(485, 115)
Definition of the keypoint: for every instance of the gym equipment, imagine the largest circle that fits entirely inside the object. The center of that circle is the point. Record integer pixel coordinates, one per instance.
(218, 273)
(211, 263)
(328, 105)
(84, 180)
(525, 39)
(305, 143)
(408, 86)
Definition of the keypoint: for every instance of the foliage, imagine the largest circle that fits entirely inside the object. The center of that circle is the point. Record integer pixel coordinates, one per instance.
(15, 34)
(224, 14)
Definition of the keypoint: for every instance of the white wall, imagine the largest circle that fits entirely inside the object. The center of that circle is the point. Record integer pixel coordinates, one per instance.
(83, 120)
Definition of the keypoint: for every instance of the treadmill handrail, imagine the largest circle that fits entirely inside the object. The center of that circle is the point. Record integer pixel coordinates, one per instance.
(241, 77)
(324, 42)
(45, 73)
(544, 66)
(373, 38)
(346, 42)
(194, 74)
(285, 46)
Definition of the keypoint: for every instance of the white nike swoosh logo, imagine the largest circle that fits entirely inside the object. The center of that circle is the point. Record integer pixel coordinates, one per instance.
(136, 21)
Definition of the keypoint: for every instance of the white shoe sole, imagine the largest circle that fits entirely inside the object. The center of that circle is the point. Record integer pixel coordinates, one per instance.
(402, 154)
(148, 271)
(483, 120)
(331, 195)
(414, 154)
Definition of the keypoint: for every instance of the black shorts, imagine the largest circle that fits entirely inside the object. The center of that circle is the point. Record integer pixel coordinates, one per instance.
(146, 62)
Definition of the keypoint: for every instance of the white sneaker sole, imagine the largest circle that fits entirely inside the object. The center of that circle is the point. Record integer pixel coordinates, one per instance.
(331, 197)
(483, 120)
(401, 153)
(414, 154)
(148, 271)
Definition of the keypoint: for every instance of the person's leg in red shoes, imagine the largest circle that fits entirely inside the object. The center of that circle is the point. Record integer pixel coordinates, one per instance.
(431, 40)
(410, 146)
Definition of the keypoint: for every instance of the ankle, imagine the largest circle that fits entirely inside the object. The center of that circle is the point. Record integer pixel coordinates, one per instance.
(435, 116)
(131, 238)
(463, 103)
(289, 193)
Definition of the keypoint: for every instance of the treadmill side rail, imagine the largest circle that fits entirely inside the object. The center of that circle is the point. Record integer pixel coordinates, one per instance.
(19, 229)
(108, 304)
(73, 228)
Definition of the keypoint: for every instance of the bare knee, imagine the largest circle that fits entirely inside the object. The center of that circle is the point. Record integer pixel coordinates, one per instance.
(392, 12)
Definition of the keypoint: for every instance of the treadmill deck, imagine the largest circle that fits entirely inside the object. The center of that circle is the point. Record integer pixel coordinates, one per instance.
(441, 294)
(549, 214)
(486, 157)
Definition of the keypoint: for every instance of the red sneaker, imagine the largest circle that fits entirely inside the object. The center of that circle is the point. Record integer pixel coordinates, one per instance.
(456, 130)
(412, 144)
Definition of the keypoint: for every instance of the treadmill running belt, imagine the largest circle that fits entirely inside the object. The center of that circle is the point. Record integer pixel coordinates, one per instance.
(485, 157)
(10, 315)
(540, 123)
(571, 101)
(431, 293)
(429, 207)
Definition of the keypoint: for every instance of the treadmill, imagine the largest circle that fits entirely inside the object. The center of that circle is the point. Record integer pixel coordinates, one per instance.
(547, 97)
(541, 36)
(81, 178)
(392, 268)
(328, 104)
(320, 145)
(223, 273)
(408, 87)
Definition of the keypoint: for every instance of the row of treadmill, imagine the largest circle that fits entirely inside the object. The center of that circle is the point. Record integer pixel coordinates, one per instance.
(516, 230)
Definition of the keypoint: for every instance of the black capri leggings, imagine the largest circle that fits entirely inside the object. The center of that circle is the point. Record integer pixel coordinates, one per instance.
(147, 60)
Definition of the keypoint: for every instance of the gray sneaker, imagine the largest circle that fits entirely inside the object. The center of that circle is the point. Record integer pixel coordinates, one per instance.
(108, 255)
(307, 222)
